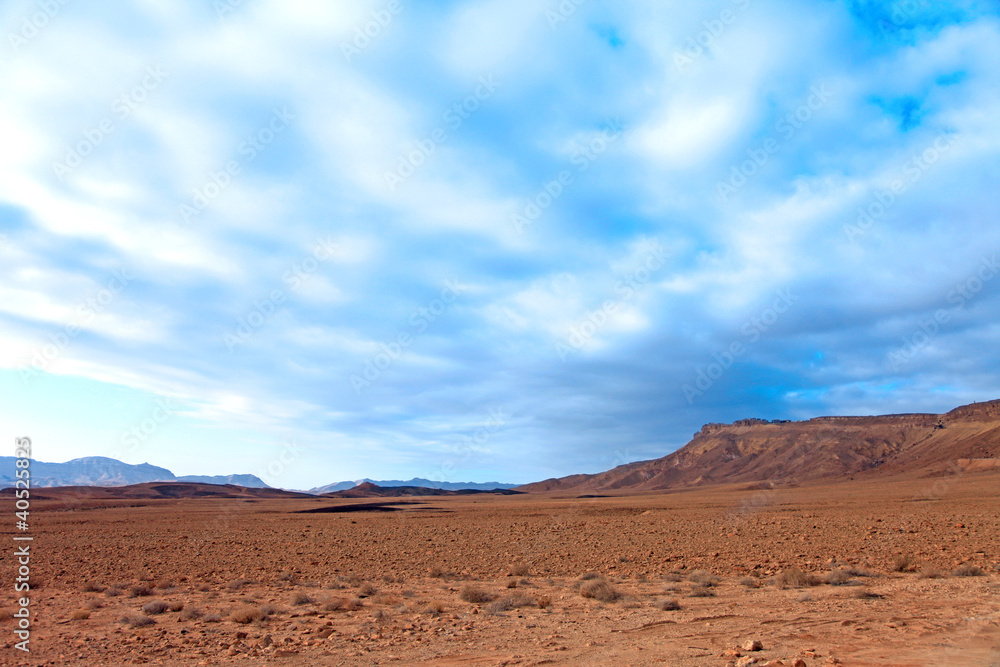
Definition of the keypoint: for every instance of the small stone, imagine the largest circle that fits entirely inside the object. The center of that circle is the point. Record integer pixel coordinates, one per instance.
(731, 653)
(799, 662)
(745, 661)
(774, 663)
(753, 645)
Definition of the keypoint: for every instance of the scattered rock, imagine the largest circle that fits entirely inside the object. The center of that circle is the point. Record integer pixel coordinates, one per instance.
(753, 645)
(745, 661)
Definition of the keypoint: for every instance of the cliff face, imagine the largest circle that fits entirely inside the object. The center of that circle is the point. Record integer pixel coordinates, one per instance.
(777, 452)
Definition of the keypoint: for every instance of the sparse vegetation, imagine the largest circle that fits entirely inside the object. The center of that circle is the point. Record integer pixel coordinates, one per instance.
(544, 602)
(474, 595)
(433, 608)
(191, 614)
(213, 618)
(80, 614)
(155, 607)
(136, 621)
(865, 594)
(300, 599)
(903, 563)
(701, 592)
(856, 571)
(381, 616)
(113, 592)
(703, 578)
(929, 572)
(520, 570)
(366, 590)
(436, 573)
(793, 577)
(669, 604)
(968, 570)
(165, 584)
(749, 582)
(600, 589)
(94, 604)
(140, 591)
(246, 615)
(512, 583)
(238, 584)
(587, 576)
(91, 587)
(838, 577)
(509, 602)
(176, 605)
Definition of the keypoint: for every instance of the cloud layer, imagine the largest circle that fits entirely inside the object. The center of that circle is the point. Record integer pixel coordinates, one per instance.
(487, 240)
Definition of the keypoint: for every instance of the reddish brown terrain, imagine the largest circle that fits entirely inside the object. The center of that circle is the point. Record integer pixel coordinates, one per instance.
(898, 566)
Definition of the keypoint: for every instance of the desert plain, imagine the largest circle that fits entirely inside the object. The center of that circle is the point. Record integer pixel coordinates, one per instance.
(899, 571)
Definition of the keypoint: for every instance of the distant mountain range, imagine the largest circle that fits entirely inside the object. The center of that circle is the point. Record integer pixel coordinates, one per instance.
(417, 482)
(102, 471)
(781, 452)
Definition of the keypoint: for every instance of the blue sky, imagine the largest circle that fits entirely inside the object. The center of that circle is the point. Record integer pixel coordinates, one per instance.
(498, 240)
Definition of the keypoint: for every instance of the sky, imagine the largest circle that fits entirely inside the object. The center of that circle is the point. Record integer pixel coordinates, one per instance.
(491, 240)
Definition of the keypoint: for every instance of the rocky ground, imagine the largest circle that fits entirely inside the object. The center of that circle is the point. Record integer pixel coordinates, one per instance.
(900, 573)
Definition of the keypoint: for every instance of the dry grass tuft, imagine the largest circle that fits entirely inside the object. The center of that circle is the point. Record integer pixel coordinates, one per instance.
(520, 570)
(928, 572)
(155, 607)
(544, 602)
(176, 605)
(140, 591)
(474, 595)
(865, 594)
(703, 578)
(136, 621)
(600, 589)
(793, 577)
(701, 592)
(301, 599)
(91, 587)
(509, 602)
(669, 604)
(191, 614)
(366, 590)
(434, 607)
(903, 563)
(94, 604)
(113, 592)
(749, 582)
(968, 570)
(238, 584)
(588, 576)
(246, 615)
(838, 577)
(80, 614)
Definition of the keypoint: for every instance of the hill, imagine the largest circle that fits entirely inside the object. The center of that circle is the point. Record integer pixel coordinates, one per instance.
(823, 448)
(369, 490)
(415, 482)
(104, 471)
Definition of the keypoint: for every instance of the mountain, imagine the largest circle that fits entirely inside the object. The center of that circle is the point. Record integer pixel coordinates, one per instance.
(789, 452)
(102, 471)
(416, 481)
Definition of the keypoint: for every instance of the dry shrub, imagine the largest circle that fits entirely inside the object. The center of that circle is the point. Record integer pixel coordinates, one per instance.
(436, 573)
(91, 587)
(335, 604)
(287, 575)
(246, 615)
(300, 599)
(366, 590)
(80, 614)
(928, 572)
(176, 605)
(749, 582)
(433, 607)
(903, 563)
(512, 583)
(669, 604)
(238, 584)
(155, 607)
(837, 577)
(701, 592)
(856, 571)
(136, 621)
(865, 594)
(793, 577)
(600, 589)
(213, 618)
(268, 610)
(520, 570)
(381, 616)
(673, 577)
(140, 591)
(385, 599)
(474, 595)
(968, 570)
(589, 576)
(113, 592)
(191, 614)
(165, 584)
(94, 604)
(703, 578)
(544, 601)
(509, 602)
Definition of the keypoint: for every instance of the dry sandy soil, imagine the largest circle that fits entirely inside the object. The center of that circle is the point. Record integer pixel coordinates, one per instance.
(439, 580)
